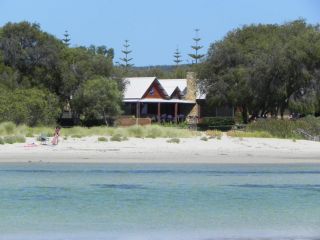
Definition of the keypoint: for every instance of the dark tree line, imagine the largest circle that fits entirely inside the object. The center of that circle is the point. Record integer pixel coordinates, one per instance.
(265, 69)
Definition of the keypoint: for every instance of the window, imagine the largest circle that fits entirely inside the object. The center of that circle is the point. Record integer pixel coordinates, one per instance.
(151, 92)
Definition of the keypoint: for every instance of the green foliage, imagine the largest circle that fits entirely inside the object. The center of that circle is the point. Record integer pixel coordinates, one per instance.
(214, 134)
(117, 138)
(29, 106)
(287, 128)
(204, 138)
(102, 139)
(32, 59)
(249, 134)
(98, 98)
(173, 140)
(265, 69)
(1, 141)
(220, 123)
(14, 139)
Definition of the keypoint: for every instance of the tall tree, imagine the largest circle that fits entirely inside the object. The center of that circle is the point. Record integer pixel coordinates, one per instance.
(66, 39)
(126, 59)
(196, 47)
(265, 69)
(98, 98)
(177, 57)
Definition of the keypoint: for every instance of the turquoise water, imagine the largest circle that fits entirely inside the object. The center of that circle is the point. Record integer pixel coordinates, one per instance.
(150, 201)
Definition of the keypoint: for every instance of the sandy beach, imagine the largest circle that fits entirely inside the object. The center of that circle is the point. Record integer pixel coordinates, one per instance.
(189, 150)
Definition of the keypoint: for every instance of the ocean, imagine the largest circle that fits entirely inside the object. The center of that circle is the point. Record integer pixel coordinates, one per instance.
(40, 201)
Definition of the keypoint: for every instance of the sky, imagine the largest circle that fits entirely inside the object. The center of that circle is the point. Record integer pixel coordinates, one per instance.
(154, 28)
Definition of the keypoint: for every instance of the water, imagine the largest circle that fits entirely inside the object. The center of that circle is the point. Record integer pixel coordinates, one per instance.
(150, 201)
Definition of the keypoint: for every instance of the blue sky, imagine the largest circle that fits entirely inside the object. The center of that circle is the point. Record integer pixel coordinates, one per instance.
(154, 28)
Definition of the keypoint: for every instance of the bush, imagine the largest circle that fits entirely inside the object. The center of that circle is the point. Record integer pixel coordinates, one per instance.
(29, 106)
(214, 134)
(14, 139)
(254, 134)
(173, 140)
(102, 139)
(116, 138)
(77, 136)
(1, 141)
(287, 128)
(204, 139)
(29, 134)
(219, 123)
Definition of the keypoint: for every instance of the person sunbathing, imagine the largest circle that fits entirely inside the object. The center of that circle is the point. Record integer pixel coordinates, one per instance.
(56, 135)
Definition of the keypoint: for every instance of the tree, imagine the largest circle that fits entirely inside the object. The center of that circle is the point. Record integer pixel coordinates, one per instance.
(98, 98)
(29, 106)
(265, 69)
(177, 57)
(66, 38)
(126, 59)
(196, 47)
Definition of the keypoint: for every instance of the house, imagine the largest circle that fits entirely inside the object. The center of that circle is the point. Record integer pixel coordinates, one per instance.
(167, 99)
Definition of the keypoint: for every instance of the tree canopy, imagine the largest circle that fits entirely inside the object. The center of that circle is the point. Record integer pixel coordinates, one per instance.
(36, 64)
(265, 69)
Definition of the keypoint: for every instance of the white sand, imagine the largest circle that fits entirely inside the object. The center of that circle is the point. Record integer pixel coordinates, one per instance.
(189, 150)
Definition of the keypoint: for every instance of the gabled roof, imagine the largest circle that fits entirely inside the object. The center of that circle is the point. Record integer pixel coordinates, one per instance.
(170, 85)
(136, 87)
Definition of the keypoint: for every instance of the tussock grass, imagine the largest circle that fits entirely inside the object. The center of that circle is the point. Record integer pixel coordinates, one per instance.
(173, 140)
(14, 139)
(204, 138)
(253, 134)
(102, 139)
(214, 134)
(151, 131)
(287, 128)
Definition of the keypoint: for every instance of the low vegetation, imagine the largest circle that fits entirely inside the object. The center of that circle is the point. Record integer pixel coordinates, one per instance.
(153, 131)
(214, 134)
(287, 128)
(173, 140)
(102, 139)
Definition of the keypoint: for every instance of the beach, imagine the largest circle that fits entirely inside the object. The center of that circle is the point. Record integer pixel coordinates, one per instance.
(190, 150)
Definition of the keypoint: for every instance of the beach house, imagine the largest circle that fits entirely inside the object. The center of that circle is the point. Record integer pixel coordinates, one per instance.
(168, 100)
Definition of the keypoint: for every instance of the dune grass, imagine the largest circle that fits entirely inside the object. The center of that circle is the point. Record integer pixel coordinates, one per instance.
(253, 134)
(287, 129)
(151, 131)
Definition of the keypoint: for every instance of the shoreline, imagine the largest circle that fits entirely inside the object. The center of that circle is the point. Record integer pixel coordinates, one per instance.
(228, 150)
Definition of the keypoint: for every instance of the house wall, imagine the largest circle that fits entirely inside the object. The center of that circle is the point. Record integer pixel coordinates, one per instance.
(156, 91)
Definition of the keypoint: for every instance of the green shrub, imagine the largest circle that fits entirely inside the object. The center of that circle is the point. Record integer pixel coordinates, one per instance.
(29, 134)
(220, 123)
(77, 136)
(214, 133)
(9, 127)
(14, 139)
(204, 139)
(174, 140)
(102, 139)
(136, 131)
(20, 139)
(287, 128)
(116, 138)
(254, 134)
(1, 141)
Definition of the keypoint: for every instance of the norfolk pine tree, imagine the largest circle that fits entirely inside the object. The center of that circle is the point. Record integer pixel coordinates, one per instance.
(126, 60)
(196, 47)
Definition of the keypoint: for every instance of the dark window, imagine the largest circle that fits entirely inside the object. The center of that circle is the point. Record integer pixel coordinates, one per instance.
(151, 92)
